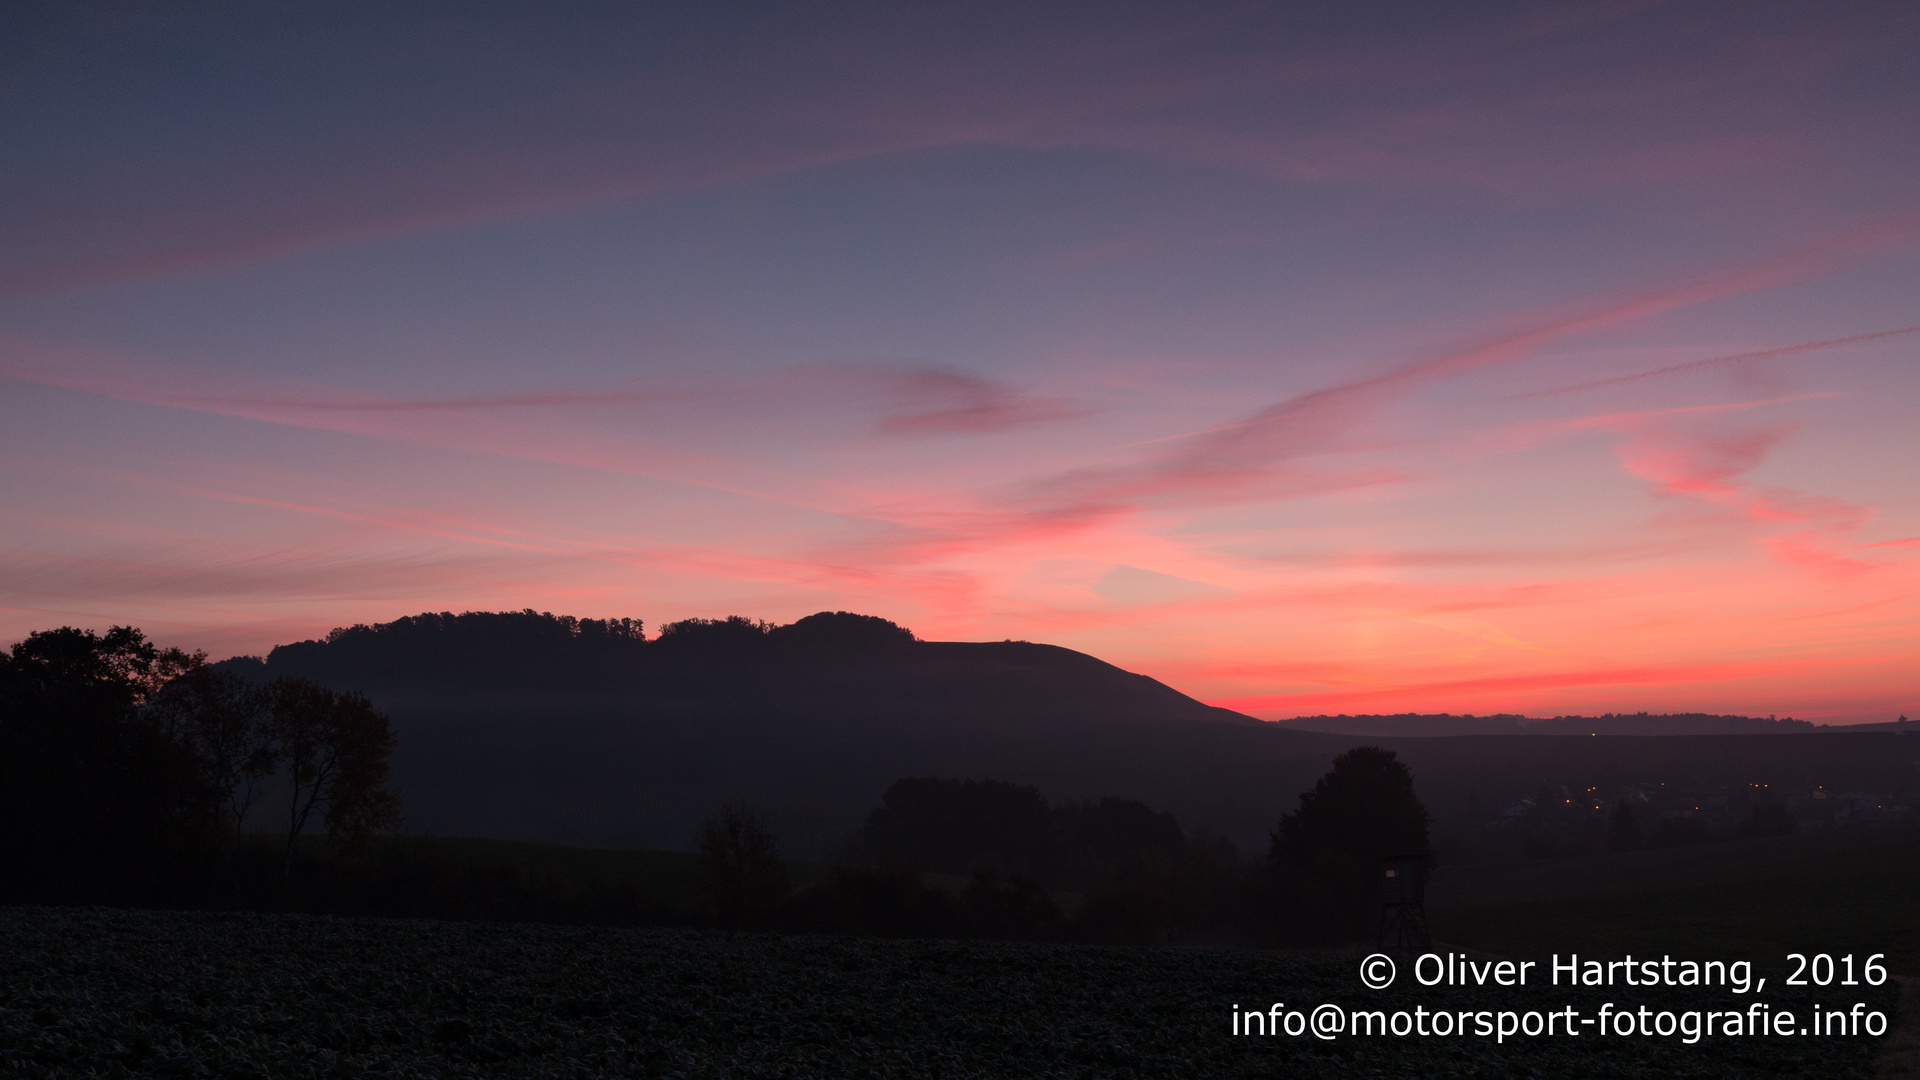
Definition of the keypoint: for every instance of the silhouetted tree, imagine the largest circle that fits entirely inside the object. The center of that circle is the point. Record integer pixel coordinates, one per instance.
(731, 639)
(1325, 854)
(1095, 836)
(742, 879)
(331, 748)
(1546, 801)
(121, 666)
(475, 648)
(223, 719)
(1130, 864)
(887, 898)
(97, 801)
(840, 633)
(960, 826)
(1623, 829)
(1210, 891)
(1018, 908)
(1364, 808)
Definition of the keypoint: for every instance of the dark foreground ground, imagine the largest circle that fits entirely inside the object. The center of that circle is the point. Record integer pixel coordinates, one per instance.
(91, 992)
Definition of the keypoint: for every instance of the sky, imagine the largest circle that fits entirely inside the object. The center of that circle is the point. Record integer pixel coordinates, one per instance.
(1310, 358)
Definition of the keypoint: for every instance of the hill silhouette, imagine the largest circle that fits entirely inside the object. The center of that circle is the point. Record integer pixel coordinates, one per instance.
(528, 726)
(525, 725)
(829, 664)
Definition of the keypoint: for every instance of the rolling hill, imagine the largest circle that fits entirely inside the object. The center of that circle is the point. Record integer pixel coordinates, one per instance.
(525, 726)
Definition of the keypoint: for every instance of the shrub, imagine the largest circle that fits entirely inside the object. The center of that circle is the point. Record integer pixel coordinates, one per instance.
(742, 880)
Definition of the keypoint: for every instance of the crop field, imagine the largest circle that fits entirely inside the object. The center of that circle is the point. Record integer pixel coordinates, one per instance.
(92, 992)
(669, 877)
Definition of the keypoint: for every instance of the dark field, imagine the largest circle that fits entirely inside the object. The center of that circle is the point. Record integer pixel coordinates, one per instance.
(107, 993)
(668, 876)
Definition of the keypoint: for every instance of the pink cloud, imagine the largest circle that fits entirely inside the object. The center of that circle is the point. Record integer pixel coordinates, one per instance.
(952, 402)
(705, 561)
(911, 399)
(919, 400)
(757, 109)
(1278, 452)
(1486, 107)
(1682, 456)
(1262, 455)
(901, 399)
(1489, 556)
(1700, 464)
(1721, 361)
(320, 401)
(212, 576)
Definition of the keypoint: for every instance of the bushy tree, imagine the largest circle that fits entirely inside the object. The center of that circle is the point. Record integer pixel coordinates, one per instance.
(1325, 855)
(732, 639)
(98, 803)
(840, 633)
(960, 826)
(331, 748)
(1623, 828)
(742, 879)
(474, 648)
(1363, 808)
(1098, 836)
(1020, 908)
(222, 718)
(1130, 864)
(888, 898)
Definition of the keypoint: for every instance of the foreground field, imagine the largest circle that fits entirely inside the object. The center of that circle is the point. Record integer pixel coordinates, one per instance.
(94, 992)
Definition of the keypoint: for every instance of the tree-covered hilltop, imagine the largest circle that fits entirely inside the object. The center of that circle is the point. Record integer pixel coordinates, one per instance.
(832, 662)
(476, 648)
(540, 727)
(127, 770)
(539, 649)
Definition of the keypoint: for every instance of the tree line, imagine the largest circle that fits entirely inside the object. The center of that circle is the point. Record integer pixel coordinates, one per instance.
(539, 649)
(131, 773)
(1138, 876)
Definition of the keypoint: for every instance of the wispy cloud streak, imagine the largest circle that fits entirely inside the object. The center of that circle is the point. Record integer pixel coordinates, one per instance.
(1468, 106)
(1259, 455)
(1717, 362)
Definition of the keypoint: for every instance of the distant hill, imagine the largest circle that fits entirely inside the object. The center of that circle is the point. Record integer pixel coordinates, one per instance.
(834, 664)
(1901, 725)
(1435, 725)
(1408, 725)
(530, 726)
(527, 726)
